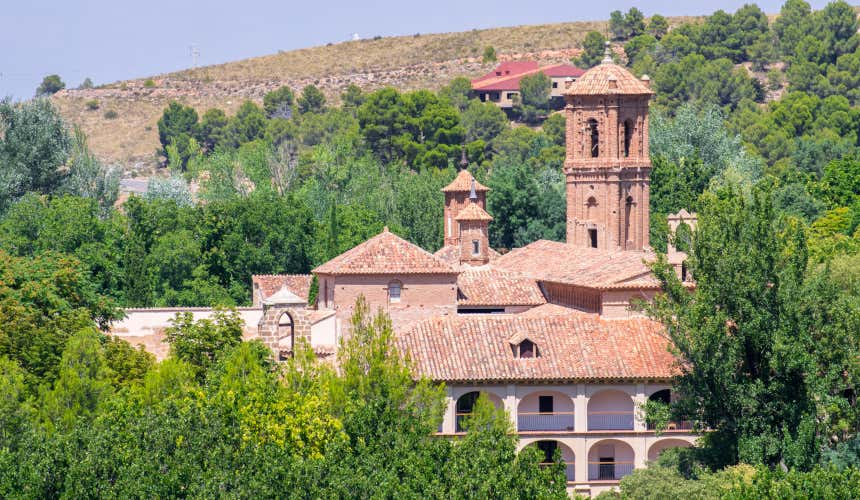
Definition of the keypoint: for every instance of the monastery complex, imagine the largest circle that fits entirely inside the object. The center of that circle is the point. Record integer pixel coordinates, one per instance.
(546, 331)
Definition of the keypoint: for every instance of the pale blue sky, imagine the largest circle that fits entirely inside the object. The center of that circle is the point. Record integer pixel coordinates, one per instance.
(110, 40)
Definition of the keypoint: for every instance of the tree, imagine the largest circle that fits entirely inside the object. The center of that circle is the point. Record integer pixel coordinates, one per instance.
(489, 55)
(792, 25)
(534, 95)
(177, 128)
(639, 46)
(459, 92)
(50, 85)
(248, 125)
(593, 48)
(88, 178)
(200, 342)
(279, 103)
(212, 130)
(86, 84)
(757, 365)
(34, 144)
(312, 100)
(634, 22)
(617, 25)
(838, 24)
(658, 26)
(172, 188)
(483, 121)
(352, 97)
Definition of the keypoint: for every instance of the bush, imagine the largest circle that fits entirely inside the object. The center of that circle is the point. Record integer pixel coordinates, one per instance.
(489, 54)
(149, 83)
(92, 105)
(111, 114)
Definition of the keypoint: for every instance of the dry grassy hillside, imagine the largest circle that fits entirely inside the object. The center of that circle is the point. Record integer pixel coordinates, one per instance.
(405, 62)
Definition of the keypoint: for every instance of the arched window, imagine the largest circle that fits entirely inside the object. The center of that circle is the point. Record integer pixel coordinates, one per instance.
(394, 292)
(628, 137)
(285, 332)
(595, 137)
(590, 208)
(664, 396)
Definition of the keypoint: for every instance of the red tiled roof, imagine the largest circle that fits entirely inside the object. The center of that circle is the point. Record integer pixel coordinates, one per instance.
(596, 81)
(451, 254)
(485, 286)
(473, 211)
(512, 81)
(587, 267)
(266, 285)
(508, 68)
(572, 347)
(463, 183)
(385, 253)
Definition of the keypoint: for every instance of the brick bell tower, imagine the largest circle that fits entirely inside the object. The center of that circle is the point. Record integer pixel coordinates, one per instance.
(607, 164)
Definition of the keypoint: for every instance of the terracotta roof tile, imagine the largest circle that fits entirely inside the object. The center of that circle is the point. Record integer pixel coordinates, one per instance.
(512, 81)
(508, 68)
(463, 184)
(473, 211)
(598, 81)
(485, 286)
(573, 347)
(266, 285)
(587, 267)
(385, 253)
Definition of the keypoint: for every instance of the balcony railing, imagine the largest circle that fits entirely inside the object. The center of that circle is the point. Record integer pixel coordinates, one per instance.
(610, 421)
(554, 421)
(683, 425)
(608, 471)
(568, 469)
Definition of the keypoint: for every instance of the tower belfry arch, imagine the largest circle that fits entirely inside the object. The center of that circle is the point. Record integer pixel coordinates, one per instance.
(607, 164)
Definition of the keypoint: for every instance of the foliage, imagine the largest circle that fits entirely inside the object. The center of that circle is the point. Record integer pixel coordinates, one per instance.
(489, 55)
(312, 100)
(34, 144)
(593, 46)
(200, 342)
(755, 336)
(534, 97)
(173, 188)
(88, 178)
(459, 92)
(50, 85)
(658, 26)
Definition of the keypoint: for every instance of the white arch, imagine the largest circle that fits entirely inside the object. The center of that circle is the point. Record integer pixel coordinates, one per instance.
(560, 418)
(610, 460)
(662, 445)
(610, 409)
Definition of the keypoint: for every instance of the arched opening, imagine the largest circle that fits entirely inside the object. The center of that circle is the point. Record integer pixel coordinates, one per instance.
(595, 137)
(610, 409)
(662, 445)
(545, 411)
(628, 137)
(610, 460)
(628, 209)
(550, 448)
(466, 403)
(286, 330)
(663, 396)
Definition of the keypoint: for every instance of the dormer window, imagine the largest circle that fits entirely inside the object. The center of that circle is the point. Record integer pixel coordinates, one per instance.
(523, 347)
(476, 247)
(394, 292)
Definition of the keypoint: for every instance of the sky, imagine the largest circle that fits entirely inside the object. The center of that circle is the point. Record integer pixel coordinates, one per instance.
(111, 40)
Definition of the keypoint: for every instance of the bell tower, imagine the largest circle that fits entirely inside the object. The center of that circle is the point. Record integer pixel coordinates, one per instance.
(607, 164)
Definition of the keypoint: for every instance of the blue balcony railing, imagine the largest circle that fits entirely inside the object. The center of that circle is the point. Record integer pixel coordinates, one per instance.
(610, 421)
(554, 421)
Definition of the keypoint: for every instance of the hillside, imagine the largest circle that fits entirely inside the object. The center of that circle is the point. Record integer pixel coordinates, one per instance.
(405, 62)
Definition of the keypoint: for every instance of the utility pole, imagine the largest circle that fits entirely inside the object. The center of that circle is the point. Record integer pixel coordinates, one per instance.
(195, 53)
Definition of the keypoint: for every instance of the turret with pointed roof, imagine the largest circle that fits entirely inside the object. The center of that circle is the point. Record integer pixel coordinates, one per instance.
(457, 197)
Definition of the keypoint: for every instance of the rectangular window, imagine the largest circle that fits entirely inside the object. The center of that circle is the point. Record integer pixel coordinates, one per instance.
(548, 448)
(555, 85)
(606, 470)
(494, 96)
(545, 404)
(394, 292)
(511, 95)
(592, 237)
(476, 247)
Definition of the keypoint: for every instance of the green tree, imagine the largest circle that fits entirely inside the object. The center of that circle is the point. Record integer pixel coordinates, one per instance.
(34, 144)
(617, 26)
(212, 129)
(50, 85)
(88, 178)
(483, 121)
(658, 26)
(593, 47)
(176, 121)
(634, 22)
(312, 100)
(86, 84)
(248, 125)
(279, 103)
(352, 97)
(534, 95)
(459, 92)
(489, 55)
(792, 25)
(748, 338)
(200, 342)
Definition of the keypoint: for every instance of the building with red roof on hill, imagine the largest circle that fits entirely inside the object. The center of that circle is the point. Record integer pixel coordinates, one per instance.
(502, 85)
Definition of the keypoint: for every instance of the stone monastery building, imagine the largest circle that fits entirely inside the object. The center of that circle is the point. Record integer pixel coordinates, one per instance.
(546, 331)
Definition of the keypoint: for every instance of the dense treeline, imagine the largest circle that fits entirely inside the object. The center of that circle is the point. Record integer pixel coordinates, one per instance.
(87, 416)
